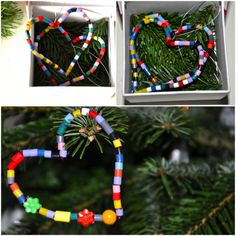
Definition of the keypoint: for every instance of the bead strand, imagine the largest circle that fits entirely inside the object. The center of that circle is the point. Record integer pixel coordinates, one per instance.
(84, 217)
(181, 80)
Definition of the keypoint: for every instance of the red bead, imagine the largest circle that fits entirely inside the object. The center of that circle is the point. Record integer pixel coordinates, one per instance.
(85, 218)
(181, 84)
(14, 187)
(40, 18)
(206, 54)
(92, 70)
(18, 158)
(165, 24)
(102, 52)
(118, 173)
(87, 41)
(53, 81)
(92, 114)
(12, 165)
(29, 41)
(116, 196)
(75, 40)
(154, 80)
(140, 62)
(136, 29)
(98, 60)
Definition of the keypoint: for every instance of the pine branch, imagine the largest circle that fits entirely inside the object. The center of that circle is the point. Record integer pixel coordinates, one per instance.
(178, 196)
(11, 17)
(83, 131)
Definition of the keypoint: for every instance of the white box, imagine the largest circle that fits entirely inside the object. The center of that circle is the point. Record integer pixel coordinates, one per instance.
(95, 11)
(137, 7)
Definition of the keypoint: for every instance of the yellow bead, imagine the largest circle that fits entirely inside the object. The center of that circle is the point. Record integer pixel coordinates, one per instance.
(95, 37)
(141, 91)
(56, 66)
(76, 113)
(41, 56)
(117, 143)
(109, 217)
(132, 52)
(35, 52)
(133, 61)
(17, 193)
(47, 61)
(62, 216)
(117, 204)
(10, 173)
(43, 211)
(131, 42)
(135, 74)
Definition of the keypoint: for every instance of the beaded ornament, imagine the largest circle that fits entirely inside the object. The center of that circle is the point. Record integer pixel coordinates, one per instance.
(84, 217)
(41, 59)
(170, 35)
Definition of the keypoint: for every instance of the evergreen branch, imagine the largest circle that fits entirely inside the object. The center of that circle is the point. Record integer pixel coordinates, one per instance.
(11, 17)
(213, 212)
(81, 133)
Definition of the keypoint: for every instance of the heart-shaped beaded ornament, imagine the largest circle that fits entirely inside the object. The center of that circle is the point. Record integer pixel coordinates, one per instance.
(41, 59)
(170, 35)
(83, 217)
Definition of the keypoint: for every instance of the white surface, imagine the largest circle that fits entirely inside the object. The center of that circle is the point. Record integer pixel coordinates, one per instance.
(230, 47)
(15, 89)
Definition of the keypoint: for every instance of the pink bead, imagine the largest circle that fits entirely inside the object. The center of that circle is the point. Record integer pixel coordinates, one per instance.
(61, 146)
(116, 188)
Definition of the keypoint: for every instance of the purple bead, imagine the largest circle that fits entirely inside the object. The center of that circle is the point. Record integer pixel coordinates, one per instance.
(190, 80)
(119, 212)
(117, 180)
(50, 214)
(63, 153)
(10, 180)
(47, 154)
(99, 119)
(30, 152)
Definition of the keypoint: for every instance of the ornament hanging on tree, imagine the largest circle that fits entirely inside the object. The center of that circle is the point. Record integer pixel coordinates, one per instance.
(51, 25)
(85, 217)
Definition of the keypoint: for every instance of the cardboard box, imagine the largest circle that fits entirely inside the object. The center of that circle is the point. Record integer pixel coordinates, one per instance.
(137, 7)
(94, 10)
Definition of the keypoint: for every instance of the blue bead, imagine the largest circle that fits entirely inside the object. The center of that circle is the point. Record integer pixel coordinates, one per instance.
(21, 199)
(74, 216)
(40, 152)
(69, 118)
(119, 157)
(119, 165)
(153, 88)
(62, 128)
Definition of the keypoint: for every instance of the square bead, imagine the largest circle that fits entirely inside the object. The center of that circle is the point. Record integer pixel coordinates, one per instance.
(117, 143)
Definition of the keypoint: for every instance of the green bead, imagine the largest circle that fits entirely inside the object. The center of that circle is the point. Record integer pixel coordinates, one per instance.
(32, 205)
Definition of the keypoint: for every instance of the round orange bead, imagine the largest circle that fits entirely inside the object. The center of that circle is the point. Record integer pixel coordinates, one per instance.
(109, 217)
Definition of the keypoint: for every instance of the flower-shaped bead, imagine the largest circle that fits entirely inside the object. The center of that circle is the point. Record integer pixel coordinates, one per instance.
(32, 205)
(85, 217)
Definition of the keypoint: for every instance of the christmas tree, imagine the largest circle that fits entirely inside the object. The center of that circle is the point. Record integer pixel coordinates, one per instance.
(178, 176)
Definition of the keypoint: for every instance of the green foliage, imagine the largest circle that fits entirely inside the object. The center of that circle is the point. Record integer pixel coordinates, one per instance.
(161, 126)
(84, 131)
(54, 46)
(158, 196)
(167, 63)
(182, 199)
(11, 17)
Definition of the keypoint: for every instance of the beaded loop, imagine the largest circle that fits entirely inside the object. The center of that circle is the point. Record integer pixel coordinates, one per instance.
(84, 217)
(56, 25)
(181, 80)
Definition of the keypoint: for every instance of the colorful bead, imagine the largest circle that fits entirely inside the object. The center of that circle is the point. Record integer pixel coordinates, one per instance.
(32, 205)
(117, 143)
(76, 113)
(97, 217)
(117, 204)
(62, 216)
(85, 218)
(109, 217)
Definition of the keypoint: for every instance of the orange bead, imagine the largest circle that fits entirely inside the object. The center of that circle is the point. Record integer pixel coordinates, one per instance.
(109, 217)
